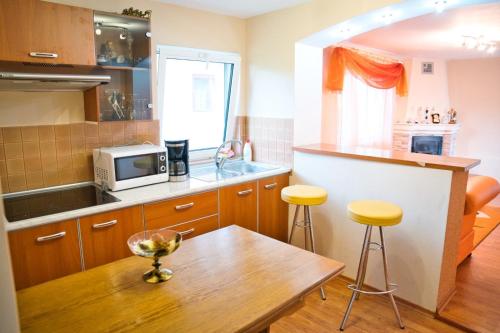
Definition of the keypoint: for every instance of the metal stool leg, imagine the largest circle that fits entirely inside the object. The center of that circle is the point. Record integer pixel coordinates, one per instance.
(313, 247)
(361, 266)
(295, 217)
(387, 287)
(365, 264)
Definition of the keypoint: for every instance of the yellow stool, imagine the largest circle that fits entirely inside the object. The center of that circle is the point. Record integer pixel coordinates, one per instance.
(304, 195)
(379, 214)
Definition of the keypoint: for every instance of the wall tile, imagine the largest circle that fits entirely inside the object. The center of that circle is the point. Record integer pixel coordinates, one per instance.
(91, 130)
(64, 163)
(63, 132)
(29, 134)
(17, 183)
(31, 150)
(11, 134)
(3, 169)
(77, 131)
(46, 133)
(51, 178)
(63, 148)
(15, 166)
(5, 184)
(32, 164)
(34, 180)
(13, 150)
(48, 149)
(2, 151)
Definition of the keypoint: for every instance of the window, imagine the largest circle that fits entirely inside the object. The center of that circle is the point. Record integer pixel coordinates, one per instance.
(366, 114)
(198, 96)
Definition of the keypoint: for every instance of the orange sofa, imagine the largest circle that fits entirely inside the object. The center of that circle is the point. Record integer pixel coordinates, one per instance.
(480, 191)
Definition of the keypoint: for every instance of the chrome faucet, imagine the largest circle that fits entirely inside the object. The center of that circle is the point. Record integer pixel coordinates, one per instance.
(219, 161)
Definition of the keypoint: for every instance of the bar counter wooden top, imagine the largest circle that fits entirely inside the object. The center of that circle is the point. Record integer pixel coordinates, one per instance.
(391, 156)
(229, 280)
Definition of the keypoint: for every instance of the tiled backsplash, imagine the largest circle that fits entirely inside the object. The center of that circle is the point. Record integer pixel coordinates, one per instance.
(40, 156)
(271, 138)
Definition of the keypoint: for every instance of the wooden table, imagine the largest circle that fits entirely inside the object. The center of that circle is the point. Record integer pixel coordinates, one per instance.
(229, 280)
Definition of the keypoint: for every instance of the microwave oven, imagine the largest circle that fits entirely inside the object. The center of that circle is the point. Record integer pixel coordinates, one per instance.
(119, 168)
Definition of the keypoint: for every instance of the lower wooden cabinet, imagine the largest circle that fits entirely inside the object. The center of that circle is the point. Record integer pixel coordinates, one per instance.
(104, 236)
(171, 212)
(273, 212)
(198, 227)
(238, 205)
(44, 253)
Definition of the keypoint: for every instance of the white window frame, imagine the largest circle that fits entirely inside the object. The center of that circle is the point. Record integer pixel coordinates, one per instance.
(183, 53)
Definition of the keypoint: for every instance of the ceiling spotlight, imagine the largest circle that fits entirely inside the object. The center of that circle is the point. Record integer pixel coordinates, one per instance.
(98, 29)
(470, 42)
(440, 5)
(123, 34)
(492, 49)
(387, 18)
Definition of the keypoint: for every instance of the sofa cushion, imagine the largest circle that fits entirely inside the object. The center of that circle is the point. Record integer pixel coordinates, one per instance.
(480, 191)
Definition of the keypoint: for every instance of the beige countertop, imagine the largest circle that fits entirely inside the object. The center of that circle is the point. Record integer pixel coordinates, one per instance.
(145, 194)
(391, 156)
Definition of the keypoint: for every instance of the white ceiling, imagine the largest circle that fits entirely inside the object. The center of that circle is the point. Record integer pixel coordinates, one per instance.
(238, 8)
(437, 35)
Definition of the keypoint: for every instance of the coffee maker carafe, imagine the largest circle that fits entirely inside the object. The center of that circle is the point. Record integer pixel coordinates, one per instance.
(178, 160)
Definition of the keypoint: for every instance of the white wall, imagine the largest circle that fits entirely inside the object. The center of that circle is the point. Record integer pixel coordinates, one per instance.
(415, 247)
(426, 90)
(474, 86)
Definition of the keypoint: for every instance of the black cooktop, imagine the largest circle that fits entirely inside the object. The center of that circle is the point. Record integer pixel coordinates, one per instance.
(29, 205)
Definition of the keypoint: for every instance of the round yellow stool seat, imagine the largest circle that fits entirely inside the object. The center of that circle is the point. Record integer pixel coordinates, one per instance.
(304, 195)
(375, 212)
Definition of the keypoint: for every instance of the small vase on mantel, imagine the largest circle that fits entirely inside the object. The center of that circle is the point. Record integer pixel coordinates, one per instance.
(452, 116)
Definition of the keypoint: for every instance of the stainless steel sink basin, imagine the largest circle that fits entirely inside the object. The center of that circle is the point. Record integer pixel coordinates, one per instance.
(230, 170)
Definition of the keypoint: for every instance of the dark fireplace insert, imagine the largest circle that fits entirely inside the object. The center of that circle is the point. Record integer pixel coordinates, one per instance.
(428, 144)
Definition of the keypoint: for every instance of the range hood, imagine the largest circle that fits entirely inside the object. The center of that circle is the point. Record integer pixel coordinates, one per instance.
(44, 77)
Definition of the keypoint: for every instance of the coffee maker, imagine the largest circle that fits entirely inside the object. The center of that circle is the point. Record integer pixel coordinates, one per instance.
(178, 160)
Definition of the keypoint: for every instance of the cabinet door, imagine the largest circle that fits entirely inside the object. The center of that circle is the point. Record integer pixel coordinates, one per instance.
(238, 205)
(44, 253)
(273, 212)
(167, 213)
(104, 236)
(42, 28)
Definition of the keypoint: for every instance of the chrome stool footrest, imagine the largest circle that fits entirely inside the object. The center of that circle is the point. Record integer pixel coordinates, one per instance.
(384, 292)
(377, 247)
(302, 224)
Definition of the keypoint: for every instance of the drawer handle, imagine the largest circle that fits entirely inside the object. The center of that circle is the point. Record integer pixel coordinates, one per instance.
(51, 237)
(187, 232)
(104, 224)
(43, 55)
(270, 186)
(245, 192)
(185, 206)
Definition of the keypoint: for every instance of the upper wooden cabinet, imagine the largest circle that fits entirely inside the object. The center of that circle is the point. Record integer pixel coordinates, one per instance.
(273, 212)
(40, 31)
(238, 205)
(104, 236)
(44, 253)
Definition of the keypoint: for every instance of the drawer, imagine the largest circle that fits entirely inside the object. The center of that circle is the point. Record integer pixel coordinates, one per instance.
(198, 227)
(171, 212)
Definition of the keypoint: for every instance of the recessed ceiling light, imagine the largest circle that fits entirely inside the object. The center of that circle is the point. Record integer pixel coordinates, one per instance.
(492, 49)
(440, 5)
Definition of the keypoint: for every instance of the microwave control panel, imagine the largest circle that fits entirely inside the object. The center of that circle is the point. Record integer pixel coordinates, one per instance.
(162, 162)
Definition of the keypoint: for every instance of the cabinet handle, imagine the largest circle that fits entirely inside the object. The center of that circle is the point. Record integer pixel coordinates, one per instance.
(187, 232)
(185, 206)
(51, 237)
(245, 192)
(43, 55)
(270, 186)
(104, 224)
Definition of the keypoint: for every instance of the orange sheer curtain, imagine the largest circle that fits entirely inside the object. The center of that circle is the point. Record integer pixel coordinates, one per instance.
(373, 73)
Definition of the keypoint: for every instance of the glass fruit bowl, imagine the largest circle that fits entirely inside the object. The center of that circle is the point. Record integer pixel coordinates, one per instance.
(155, 244)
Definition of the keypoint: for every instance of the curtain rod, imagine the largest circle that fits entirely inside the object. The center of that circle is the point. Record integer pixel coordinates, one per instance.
(371, 53)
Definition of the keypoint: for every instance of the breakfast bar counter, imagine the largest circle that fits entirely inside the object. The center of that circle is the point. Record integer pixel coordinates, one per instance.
(392, 156)
(430, 189)
(229, 280)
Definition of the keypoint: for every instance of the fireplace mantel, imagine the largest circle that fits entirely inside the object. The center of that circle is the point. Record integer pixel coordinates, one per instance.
(402, 135)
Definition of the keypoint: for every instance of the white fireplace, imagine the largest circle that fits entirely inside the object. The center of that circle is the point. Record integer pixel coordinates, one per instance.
(402, 136)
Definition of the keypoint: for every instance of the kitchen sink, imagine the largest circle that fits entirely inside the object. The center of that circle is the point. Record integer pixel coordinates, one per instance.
(230, 170)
